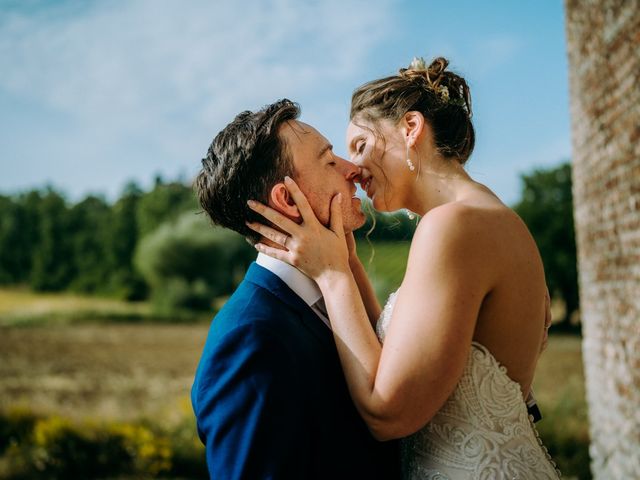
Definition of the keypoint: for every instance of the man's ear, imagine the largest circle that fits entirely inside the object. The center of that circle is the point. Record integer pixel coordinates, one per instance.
(413, 126)
(281, 200)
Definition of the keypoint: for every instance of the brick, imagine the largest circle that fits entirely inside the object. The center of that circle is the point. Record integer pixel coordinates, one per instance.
(603, 44)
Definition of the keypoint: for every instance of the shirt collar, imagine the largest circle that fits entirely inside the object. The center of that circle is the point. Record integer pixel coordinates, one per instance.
(297, 281)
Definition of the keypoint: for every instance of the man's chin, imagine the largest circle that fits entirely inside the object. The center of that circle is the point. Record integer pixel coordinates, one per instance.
(355, 223)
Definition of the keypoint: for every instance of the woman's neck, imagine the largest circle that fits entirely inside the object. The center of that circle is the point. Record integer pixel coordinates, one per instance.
(437, 183)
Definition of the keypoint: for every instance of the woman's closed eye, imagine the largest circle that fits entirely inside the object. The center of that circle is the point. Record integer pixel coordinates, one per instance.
(360, 148)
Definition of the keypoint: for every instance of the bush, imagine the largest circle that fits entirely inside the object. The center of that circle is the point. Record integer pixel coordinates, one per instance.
(56, 448)
(15, 427)
(188, 263)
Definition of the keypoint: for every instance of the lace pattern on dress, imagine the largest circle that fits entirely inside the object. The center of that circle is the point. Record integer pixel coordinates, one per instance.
(483, 431)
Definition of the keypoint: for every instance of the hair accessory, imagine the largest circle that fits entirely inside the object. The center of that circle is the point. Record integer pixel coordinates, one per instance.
(443, 93)
(418, 63)
(434, 75)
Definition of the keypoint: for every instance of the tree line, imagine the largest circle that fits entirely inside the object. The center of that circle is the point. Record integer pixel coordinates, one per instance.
(50, 244)
(156, 244)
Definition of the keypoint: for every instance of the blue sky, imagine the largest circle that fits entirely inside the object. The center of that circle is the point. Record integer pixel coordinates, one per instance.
(94, 94)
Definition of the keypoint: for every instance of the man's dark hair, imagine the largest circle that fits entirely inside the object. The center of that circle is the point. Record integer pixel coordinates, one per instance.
(245, 160)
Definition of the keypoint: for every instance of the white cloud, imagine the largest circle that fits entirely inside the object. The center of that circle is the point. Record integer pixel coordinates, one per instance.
(176, 72)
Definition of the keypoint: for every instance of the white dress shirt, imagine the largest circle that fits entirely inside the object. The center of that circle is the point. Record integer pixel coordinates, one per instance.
(303, 286)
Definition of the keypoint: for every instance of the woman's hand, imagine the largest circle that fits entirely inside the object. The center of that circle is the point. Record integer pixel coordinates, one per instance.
(547, 320)
(310, 246)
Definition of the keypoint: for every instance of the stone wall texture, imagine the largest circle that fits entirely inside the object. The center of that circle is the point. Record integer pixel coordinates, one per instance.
(603, 39)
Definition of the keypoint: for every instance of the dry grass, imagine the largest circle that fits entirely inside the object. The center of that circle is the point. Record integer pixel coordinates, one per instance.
(20, 306)
(119, 372)
(560, 389)
(92, 369)
(129, 371)
(560, 370)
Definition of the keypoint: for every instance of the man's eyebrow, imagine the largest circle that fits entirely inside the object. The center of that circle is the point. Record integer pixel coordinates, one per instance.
(324, 149)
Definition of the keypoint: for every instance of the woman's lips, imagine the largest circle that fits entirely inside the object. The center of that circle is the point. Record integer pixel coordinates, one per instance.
(366, 186)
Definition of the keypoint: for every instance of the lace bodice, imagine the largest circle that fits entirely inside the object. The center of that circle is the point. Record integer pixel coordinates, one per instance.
(483, 431)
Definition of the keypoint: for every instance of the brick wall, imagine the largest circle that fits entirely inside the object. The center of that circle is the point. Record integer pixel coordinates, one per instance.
(603, 39)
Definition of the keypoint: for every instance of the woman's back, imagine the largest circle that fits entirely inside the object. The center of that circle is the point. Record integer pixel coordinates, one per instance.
(482, 431)
(510, 322)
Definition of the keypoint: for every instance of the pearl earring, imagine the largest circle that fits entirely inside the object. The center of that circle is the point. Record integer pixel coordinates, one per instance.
(409, 162)
(412, 167)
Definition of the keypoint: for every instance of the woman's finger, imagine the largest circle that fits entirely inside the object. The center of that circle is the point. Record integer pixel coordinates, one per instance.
(301, 200)
(547, 309)
(273, 252)
(273, 216)
(336, 215)
(271, 233)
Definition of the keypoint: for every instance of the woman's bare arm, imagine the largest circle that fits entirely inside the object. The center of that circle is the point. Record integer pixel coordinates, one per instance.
(398, 388)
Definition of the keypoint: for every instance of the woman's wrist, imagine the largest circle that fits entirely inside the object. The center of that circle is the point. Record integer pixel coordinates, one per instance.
(331, 278)
(355, 263)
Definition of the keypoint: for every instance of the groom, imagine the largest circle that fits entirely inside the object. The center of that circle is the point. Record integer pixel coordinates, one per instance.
(269, 393)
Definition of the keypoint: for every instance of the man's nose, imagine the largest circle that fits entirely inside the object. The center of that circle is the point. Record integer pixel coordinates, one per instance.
(350, 170)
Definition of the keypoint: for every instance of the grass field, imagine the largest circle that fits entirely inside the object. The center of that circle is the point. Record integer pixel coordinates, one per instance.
(20, 306)
(64, 355)
(112, 372)
(387, 265)
(130, 372)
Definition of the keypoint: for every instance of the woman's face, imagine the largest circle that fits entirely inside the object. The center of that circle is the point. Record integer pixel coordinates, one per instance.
(381, 152)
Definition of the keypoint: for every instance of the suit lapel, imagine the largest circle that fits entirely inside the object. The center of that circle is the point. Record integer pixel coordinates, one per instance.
(263, 278)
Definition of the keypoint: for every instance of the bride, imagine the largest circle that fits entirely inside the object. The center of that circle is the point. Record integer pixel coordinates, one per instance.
(457, 345)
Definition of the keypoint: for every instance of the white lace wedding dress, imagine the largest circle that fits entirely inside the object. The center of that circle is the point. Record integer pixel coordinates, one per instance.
(483, 431)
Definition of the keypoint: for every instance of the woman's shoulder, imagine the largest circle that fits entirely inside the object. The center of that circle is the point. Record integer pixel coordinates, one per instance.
(467, 232)
(463, 218)
(452, 230)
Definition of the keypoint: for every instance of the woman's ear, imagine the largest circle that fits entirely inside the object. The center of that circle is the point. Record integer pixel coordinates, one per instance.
(281, 200)
(413, 126)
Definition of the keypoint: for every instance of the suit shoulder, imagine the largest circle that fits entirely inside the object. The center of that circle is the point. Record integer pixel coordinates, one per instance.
(249, 304)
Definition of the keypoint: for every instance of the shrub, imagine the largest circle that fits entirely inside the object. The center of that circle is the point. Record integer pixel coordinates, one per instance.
(16, 427)
(59, 449)
(188, 262)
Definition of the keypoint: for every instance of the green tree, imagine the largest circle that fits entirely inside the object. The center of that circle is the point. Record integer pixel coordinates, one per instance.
(15, 254)
(89, 221)
(546, 207)
(166, 201)
(51, 267)
(121, 241)
(189, 263)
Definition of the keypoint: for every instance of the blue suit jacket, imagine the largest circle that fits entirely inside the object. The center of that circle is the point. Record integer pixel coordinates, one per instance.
(270, 397)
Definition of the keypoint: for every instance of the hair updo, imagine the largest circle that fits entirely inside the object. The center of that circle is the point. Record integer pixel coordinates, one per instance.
(441, 96)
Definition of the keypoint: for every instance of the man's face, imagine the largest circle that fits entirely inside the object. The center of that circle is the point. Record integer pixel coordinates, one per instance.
(321, 174)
